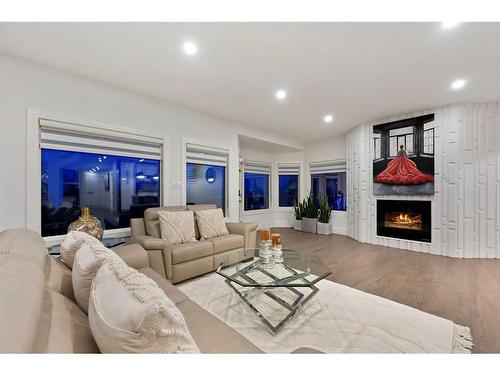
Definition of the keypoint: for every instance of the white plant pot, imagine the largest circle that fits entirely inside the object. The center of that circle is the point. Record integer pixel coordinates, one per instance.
(325, 228)
(297, 224)
(309, 225)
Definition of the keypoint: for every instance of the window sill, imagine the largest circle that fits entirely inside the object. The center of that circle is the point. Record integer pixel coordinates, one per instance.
(110, 233)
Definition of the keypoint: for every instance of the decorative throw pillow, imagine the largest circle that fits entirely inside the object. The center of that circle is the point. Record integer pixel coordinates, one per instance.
(211, 223)
(129, 313)
(72, 242)
(177, 226)
(88, 259)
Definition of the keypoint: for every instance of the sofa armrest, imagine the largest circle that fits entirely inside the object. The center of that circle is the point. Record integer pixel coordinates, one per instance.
(151, 243)
(134, 255)
(137, 227)
(248, 230)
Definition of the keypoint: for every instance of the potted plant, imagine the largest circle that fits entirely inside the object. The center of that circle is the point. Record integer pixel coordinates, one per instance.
(325, 216)
(310, 215)
(298, 210)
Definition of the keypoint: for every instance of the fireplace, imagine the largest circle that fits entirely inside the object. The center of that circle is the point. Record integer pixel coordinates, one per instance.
(404, 219)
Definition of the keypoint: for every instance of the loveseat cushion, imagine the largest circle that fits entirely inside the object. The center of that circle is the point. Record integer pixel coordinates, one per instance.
(129, 313)
(228, 242)
(152, 220)
(177, 227)
(63, 327)
(211, 223)
(211, 334)
(185, 252)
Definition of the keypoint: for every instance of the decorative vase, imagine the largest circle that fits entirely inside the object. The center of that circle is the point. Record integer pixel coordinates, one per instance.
(324, 228)
(297, 224)
(309, 224)
(88, 224)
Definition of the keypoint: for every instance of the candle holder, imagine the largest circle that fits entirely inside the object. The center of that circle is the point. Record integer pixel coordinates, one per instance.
(266, 255)
(277, 248)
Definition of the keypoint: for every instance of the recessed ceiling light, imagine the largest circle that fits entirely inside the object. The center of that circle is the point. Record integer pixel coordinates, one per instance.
(458, 84)
(449, 24)
(281, 94)
(328, 118)
(190, 48)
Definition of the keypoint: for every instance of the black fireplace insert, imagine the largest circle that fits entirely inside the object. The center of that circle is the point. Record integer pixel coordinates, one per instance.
(404, 219)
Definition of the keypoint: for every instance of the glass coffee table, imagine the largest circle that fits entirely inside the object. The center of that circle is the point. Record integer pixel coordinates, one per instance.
(289, 284)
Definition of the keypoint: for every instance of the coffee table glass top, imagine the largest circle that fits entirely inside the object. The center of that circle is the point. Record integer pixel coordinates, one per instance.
(298, 269)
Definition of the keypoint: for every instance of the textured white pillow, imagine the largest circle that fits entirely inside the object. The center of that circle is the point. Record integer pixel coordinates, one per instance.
(177, 226)
(129, 313)
(72, 242)
(88, 259)
(211, 223)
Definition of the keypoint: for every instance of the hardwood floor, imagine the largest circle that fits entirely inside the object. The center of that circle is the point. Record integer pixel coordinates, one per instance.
(465, 291)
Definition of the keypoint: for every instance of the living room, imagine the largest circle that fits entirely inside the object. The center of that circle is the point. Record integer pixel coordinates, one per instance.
(250, 187)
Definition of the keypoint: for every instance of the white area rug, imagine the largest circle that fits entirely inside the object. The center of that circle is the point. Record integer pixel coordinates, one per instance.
(338, 319)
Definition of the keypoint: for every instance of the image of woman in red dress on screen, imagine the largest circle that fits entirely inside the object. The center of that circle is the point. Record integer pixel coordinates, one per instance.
(402, 171)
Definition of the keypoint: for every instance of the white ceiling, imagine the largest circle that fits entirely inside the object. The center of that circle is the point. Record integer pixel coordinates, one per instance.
(358, 71)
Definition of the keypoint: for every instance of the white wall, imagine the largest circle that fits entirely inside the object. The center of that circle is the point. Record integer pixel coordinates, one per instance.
(275, 216)
(466, 204)
(25, 86)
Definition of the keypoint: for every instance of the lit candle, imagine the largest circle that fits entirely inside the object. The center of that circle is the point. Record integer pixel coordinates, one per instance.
(265, 234)
(276, 239)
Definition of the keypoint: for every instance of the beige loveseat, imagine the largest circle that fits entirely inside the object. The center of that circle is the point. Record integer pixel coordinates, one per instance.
(38, 313)
(183, 261)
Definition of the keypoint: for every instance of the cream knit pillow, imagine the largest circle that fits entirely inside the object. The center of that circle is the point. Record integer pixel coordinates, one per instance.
(72, 242)
(211, 223)
(129, 313)
(177, 226)
(88, 259)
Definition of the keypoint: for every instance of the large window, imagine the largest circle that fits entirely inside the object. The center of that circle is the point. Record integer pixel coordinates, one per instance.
(206, 184)
(289, 190)
(115, 188)
(288, 178)
(333, 185)
(206, 175)
(256, 191)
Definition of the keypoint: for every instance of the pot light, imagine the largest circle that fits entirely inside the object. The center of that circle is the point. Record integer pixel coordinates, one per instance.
(458, 84)
(449, 24)
(190, 48)
(281, 94)
(328, 118)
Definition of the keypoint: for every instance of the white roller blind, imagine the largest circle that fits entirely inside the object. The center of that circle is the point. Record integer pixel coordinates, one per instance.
(289, 168)
(257, 167)
(329, 166)
(198, 154)
(58, 135)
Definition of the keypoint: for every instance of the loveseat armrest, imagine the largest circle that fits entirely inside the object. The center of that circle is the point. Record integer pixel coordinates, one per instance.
(134, 255)
(157, 245)
(248, 230)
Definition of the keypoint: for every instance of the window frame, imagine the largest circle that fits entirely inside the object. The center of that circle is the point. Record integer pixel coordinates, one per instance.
(346, 187)
(213, 147)
(34, 160)
(269, 187)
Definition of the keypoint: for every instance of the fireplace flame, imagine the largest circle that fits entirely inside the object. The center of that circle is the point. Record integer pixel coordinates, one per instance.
(404, 220)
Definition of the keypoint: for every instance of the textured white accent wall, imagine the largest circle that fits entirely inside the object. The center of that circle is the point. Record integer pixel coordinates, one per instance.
(466, 204)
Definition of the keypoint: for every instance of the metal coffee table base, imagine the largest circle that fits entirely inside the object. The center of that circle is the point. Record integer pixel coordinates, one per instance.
(293, 308)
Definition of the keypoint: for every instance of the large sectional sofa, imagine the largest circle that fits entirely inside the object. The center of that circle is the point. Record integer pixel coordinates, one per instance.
(38, 313)
(187, 260)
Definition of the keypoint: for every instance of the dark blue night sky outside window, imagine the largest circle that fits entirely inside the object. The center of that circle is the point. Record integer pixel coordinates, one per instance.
(116, 188)
(256, 191)
(206, 184)
(333, 185)
(289, 190)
